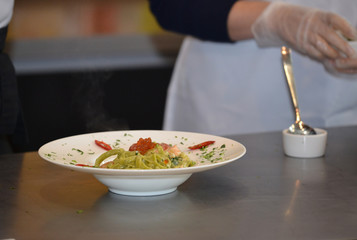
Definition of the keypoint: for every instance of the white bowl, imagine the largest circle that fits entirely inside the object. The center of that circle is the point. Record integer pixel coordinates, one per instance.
(305, 146)
(81, 149)
(142, 185)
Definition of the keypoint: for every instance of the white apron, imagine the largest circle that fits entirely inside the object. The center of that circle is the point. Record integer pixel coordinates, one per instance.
(224, 88)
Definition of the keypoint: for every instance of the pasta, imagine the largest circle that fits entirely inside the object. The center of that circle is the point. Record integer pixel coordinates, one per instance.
(153, 158)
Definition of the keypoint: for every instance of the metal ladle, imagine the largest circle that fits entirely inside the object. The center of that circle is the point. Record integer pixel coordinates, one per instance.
(298, 127)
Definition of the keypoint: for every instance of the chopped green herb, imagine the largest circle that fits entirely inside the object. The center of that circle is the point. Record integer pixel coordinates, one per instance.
(117, 143)
(79, 211)
(175, 161)
(78, 150)
(209, 155)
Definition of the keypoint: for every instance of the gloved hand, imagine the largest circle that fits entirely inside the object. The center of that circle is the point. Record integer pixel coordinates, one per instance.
(342, 65)
(310, 31)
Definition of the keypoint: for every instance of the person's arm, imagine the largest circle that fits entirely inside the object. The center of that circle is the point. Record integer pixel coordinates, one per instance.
(204, 19)
(241, 18)
(310, 31)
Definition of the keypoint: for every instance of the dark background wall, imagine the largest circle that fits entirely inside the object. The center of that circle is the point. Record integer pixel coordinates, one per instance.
(57, 105)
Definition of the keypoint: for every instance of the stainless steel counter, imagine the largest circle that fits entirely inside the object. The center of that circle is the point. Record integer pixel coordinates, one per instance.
(264, 195)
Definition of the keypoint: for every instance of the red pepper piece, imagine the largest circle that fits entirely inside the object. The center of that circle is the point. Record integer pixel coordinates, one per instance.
(103, 145)
(201, 145)
(82, 165)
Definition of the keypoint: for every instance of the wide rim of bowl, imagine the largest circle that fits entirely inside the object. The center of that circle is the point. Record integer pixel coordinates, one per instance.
(234, 155)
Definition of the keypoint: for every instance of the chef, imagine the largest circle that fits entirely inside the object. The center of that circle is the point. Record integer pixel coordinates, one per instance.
(231, 81)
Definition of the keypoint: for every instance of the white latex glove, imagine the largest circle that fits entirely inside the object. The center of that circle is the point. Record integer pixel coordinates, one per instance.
(342, 65)
(310, 31)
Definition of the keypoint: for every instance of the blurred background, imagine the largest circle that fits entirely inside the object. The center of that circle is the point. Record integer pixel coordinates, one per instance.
(89, 65)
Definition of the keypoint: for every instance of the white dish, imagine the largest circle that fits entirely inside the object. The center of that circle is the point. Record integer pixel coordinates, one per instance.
(81, 149)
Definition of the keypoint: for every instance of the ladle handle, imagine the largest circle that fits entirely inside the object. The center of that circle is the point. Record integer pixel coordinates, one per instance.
(288, 69)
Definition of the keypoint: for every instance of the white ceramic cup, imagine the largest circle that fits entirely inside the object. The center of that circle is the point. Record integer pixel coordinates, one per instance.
(305, 146)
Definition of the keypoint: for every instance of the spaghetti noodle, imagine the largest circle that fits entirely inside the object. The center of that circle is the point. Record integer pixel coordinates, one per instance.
(153, 158)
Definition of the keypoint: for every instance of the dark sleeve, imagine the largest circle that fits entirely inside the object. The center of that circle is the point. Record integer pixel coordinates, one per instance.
(3, 32)
(9, 101)
(204, 19)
